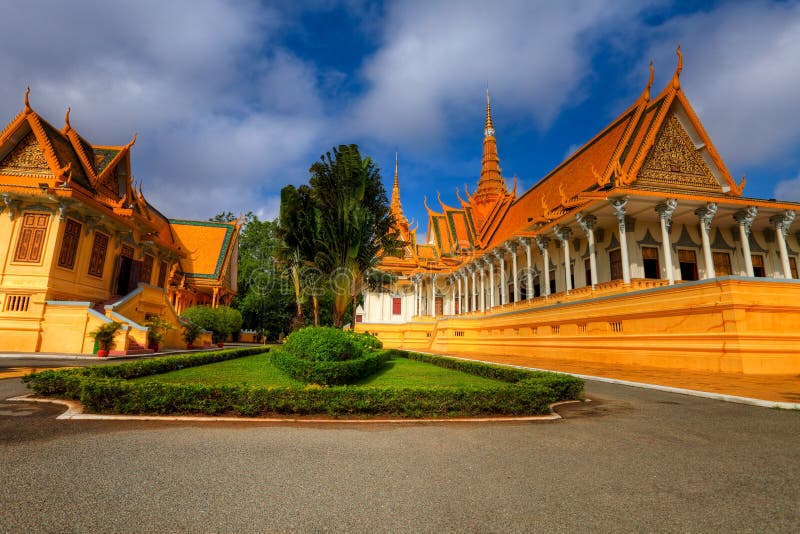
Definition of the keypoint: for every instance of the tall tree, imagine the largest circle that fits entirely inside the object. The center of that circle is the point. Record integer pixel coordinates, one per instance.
(353, 222)
(262, 299)
(297, 230)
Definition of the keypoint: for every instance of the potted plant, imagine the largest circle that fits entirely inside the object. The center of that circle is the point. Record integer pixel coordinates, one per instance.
(104, 337)
(190, 333)
(157, 328)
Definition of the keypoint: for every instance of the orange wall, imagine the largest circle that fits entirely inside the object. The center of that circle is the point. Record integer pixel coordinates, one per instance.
(727, 325)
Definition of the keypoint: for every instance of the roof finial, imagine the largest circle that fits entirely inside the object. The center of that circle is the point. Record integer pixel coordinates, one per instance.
(396, 173)
(650, 81)
(27, 102)
(676, 78)
(66, 120)
(133, 141)
(489, 131)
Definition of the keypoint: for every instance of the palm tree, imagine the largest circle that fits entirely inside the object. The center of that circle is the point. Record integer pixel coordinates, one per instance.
(353, 221)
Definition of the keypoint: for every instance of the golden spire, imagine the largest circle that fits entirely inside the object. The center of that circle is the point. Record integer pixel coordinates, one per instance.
(489, 130)
(491, 184)
(394, 206)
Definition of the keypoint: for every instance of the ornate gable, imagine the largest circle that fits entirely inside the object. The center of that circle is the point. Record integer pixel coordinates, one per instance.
(26, 159)
(675, 164)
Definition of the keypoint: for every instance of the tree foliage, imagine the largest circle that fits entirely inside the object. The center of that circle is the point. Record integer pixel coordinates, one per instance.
(352, 222)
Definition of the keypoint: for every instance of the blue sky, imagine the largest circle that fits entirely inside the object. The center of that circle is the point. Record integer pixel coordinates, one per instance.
(233, 100)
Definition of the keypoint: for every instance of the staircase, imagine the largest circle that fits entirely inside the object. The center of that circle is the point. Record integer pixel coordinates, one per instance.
(134, 348)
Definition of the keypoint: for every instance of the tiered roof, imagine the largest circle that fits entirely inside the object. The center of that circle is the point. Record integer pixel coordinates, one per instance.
(655, 146)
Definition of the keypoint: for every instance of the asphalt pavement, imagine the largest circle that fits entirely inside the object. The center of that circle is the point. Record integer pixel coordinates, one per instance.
(630, 460)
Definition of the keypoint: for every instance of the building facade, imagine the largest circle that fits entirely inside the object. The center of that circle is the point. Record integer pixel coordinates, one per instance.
(639, 249)
(82, 246)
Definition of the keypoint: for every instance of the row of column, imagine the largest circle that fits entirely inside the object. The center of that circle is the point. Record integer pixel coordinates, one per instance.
(468, 284)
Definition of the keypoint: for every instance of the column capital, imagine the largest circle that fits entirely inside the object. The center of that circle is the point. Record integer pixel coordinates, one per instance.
(511, 246)
(782, 221)
(542, 242)
(706, 214)
(525, 241)
(563, 233)
(745, 217)
(587, 222)
(666, 209)
(619, 209)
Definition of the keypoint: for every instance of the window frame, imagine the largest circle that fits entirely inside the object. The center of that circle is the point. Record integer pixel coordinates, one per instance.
(74, 243)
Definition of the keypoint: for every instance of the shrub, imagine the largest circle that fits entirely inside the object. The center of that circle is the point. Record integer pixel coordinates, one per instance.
(104, 335)
(322, 344)
(328, 372)
(366, 341)
(220, 321)
(191, 331)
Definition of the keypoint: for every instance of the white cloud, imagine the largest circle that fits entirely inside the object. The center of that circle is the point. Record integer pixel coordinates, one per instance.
(788, 190)
(224, 115)
(740, 75)
(439, 57)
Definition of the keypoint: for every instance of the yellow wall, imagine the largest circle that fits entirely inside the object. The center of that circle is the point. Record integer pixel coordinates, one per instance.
(749, 326)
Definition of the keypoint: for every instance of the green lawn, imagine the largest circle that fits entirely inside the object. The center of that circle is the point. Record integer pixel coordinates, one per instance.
(258, 371)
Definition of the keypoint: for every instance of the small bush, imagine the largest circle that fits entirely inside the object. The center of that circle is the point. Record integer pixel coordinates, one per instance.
(366, 341)
(322, 344)
(328, 372)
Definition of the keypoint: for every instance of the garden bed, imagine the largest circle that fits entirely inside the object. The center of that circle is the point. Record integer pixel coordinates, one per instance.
(486, 390)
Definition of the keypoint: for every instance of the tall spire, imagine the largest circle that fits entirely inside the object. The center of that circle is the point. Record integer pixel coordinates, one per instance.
(491, 184)
(395, 207)
(489, 130)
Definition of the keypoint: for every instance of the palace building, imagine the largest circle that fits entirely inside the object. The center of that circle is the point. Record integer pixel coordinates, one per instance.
(82, 246)
(639, 249)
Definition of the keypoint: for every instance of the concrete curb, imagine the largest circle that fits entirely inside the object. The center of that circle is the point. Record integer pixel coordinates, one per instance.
(669, 389)
(75, 412)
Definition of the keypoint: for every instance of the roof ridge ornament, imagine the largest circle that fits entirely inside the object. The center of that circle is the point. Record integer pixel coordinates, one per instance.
(676, 83)
(649, 82)
(67, 125)
(489, 130)
(27, 101)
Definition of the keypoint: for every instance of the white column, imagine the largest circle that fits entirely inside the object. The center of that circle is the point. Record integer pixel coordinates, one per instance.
(529, 292)
(419, 295)
(512, 249)
(705, 215)
(782, 222)
(482, 293)
(501, 255)
(467, 308)
(619, 211)
(489, 262)
(745, 219)
(563, 233)
(588, 222)
(474, 288)
(542, 242)
(460, 294)
(665, 210)
(432, 303)
(452, 294)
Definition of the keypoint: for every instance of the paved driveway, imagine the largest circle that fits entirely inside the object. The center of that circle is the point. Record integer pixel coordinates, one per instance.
(632, 460)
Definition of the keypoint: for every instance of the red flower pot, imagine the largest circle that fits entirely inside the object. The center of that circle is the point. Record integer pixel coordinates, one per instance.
(189, 346)
(102, 353)
(220, 345)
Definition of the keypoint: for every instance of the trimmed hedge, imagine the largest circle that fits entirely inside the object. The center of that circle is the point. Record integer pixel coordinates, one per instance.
(68, 382)
(565, 386)
(117, 396)
(322, 344)
(104, 390)
(329, 373)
